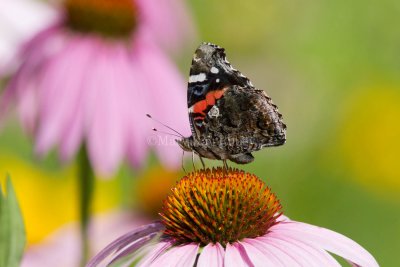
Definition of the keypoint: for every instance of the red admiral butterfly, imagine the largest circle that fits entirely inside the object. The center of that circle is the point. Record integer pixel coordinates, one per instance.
(229, 117)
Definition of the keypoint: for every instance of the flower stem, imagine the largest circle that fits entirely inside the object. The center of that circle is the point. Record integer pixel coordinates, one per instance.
(86, 185)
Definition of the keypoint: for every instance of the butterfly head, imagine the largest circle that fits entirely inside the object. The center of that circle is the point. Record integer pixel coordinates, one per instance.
(186, 144)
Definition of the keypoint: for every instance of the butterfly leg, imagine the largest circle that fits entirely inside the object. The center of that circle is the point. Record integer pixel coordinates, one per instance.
(202, 163)
(194, 167)
(225, 164)
(183, 167)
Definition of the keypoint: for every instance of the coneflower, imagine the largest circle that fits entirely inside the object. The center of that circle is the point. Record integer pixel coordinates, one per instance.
(226, 217)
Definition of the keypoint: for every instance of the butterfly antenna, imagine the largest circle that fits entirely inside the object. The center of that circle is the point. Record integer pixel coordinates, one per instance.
(175, 131)
(155, 130)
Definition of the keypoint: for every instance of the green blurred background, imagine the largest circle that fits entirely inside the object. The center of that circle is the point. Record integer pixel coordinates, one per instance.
(333, 69)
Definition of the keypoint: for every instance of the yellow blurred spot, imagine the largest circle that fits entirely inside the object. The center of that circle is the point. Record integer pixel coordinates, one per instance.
(369, 139)
(50, 199)
(153, 187)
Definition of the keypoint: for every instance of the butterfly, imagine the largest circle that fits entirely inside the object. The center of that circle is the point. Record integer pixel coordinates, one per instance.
(229, 117)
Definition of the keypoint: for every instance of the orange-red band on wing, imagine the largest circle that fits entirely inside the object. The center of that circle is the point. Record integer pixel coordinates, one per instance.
(219, 93)
(200, 107)
(211, 97)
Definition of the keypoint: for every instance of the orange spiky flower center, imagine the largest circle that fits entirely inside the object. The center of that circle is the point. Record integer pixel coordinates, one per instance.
(111, 18)
(224, 206)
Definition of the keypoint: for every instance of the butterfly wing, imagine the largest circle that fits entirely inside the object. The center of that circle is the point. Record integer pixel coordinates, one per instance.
(210, 77)
(227, 114)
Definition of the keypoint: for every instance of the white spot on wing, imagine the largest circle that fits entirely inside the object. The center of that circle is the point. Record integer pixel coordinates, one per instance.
(214, 70)
(197, 78)
(214, 112)
(217, 80)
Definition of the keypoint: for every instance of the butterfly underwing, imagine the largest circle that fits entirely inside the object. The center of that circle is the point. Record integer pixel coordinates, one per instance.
(229, 117)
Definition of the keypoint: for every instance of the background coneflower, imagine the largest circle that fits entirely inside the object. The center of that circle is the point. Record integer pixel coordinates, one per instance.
(90, 78)
(86, 81)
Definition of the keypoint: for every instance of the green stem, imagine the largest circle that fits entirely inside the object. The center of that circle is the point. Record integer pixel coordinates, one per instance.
(86, 182)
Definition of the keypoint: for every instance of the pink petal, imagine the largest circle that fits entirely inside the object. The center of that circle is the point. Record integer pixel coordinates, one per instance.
(6, 98)
(57, 95)
(304, 254)
(178, 256)
(212, 256)
(127, 243)
(25, 79)
(264, 255)
(167, 86)
(282, 218)
(135, 104)
(154, 253)
(27, 107)
(72, 136)
(236, 256)
(169, 90)
(105, 125)
(166, 21)
(326, 239)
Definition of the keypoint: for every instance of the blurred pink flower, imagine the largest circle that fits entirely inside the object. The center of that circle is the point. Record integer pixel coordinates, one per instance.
(93, 75)
(226, 217)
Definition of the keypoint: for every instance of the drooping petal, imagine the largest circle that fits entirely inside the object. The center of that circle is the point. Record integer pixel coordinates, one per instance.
(105, 125)
(212, 256)
(27, 107)
(168, 87)
(154, 253)
(165, 84)
(177, 256)
(134, 108)
(57, 95)
(124, 241)
(130, 249)
(73, 132)
(23, 86)
(323, 238)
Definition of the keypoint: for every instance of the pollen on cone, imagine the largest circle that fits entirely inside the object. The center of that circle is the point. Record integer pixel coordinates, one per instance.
(219, 205)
